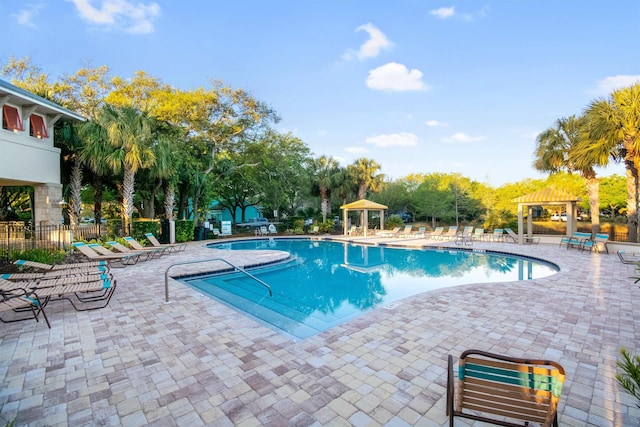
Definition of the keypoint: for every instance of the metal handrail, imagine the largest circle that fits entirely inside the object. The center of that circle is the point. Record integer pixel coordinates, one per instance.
(240, 269)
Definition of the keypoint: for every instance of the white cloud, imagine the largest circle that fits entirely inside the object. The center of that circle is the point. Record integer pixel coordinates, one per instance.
(435, 124)
(372, 47)
(449, 12)
(463, 137)
(480, 14)
(25, 16)
(356, 150)
(132, 17)
(395, 77)
(402, 139)
(444, 12)
(609, 84)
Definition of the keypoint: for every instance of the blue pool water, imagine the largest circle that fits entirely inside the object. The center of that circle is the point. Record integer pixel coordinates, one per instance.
(328, 283)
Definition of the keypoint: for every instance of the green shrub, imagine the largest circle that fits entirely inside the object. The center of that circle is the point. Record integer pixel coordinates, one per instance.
(297, 226)
(327, 227)
(629, 379)
(140, 228)
(184, 230)
(46, 256)
(393, 221)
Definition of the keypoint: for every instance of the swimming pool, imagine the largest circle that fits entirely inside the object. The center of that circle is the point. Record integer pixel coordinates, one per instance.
(328, 282)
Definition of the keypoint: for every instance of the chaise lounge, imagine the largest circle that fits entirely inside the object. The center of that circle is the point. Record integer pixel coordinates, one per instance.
(175, 247)
(115, 260)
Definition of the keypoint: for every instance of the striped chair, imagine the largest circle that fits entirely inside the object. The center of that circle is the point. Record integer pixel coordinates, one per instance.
(504, 390)
(598, 243)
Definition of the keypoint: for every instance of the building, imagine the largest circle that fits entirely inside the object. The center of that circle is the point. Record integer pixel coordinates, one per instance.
(27, 153)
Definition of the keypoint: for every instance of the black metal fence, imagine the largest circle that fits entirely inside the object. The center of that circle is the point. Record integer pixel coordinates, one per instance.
(614, 235)
(18, 235)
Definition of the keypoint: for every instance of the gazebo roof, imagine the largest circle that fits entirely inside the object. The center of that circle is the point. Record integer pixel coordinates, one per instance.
(363, 204)
(547, 195)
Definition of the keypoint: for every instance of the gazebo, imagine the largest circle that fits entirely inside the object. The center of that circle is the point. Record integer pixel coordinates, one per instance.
(364, 206)
(546, 196)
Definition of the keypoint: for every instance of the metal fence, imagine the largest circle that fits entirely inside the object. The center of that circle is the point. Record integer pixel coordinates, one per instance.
(614, 235)
(17, 235)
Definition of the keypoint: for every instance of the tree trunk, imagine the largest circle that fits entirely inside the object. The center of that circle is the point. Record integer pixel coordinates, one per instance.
(96, 183)
(75, 199)
(128, 183)
(632, 188)
(169, 201)
(324, 208)
(593, 191)
(362, 191)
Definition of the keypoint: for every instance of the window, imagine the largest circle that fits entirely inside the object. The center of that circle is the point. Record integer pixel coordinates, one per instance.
(11, 118)
(38, 128)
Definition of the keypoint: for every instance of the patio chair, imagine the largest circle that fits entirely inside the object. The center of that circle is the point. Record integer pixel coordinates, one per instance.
(404, 233)
(272, 229)
(144, 254)
(420, 233)
(55, 273)
(464, 237)
(599, 241)
(315, 229)
(478, 234)
(115, 260)
(71, 275)
(437, 233)
(175, 247)
(21, 301)
(82, 296)
(576, 240)
(388, 233)
(53, 267)
(139, 247)
(629, 257)
(86, 289)
(504, 390)
(514, 237)
(451, 233)
(498, 235)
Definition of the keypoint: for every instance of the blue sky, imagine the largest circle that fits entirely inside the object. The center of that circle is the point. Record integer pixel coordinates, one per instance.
(418, 86)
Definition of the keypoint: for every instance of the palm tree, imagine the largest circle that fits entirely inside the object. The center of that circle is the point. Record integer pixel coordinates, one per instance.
(93, 155)
(124, 136)
(364, 173)
(560, 148)
(326, 169)
(614, 128)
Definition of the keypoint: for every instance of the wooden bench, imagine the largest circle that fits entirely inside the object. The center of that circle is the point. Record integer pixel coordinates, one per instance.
(504, 390)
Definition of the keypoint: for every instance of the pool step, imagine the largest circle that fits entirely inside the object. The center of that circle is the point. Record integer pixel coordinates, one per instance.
(293, 317)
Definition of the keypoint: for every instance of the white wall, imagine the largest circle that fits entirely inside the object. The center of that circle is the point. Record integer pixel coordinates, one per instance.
(29, 159)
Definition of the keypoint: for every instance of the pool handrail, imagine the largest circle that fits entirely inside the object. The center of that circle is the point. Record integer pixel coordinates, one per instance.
(240, 269)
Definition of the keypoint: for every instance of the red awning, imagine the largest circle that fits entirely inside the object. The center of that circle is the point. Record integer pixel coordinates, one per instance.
(38, 128)
(11, 118)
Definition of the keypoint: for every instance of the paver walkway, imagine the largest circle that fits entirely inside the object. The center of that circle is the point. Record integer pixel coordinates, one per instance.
(195, 362)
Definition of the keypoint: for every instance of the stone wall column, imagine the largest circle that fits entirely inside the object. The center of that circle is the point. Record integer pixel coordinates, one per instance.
(47, 206)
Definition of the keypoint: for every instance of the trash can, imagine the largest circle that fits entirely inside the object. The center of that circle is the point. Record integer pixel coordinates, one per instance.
(165, 231)
(198, 233)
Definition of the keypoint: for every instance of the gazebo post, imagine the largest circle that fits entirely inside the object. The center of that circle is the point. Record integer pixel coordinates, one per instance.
(344, 221)
(520, 224)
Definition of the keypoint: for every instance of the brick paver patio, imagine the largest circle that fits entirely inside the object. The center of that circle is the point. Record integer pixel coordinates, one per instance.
(195, 361)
